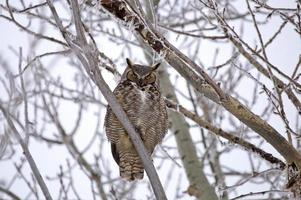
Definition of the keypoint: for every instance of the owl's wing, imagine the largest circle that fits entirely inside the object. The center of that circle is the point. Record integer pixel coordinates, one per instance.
(113, 127)
(115, 153)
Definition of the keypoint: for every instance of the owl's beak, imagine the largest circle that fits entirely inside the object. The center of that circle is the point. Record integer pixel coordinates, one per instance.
(140, 82)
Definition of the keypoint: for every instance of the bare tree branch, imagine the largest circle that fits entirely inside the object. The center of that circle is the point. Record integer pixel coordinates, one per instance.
(219, 132)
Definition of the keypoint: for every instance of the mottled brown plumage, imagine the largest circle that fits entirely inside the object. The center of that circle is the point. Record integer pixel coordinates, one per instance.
(139, 95)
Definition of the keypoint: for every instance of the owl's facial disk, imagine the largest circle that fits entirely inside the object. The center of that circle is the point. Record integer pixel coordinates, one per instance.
(141, 80)
(140, 74)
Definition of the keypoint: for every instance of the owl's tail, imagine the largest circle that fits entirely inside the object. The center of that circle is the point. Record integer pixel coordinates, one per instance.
(130, 166)
(126, 156)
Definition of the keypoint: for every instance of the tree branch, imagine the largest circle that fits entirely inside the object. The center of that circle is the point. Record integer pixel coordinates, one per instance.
(219, 132)
(9, 193)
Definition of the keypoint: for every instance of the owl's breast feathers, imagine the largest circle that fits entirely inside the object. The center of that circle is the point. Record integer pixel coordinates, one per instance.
(145, 108)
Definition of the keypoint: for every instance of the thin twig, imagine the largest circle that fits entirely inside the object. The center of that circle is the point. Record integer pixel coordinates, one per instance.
(9, 193)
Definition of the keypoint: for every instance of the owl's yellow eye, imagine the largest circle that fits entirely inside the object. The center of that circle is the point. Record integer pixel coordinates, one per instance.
(150, 78)
(132, 76)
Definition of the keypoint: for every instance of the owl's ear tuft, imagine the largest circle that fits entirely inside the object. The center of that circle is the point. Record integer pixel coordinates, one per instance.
(129, 62)
(155, 66)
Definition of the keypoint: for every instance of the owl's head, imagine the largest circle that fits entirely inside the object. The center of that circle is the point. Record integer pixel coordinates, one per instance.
(142, 75)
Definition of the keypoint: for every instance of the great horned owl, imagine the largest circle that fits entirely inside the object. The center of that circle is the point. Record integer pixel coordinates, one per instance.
(138, 93)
